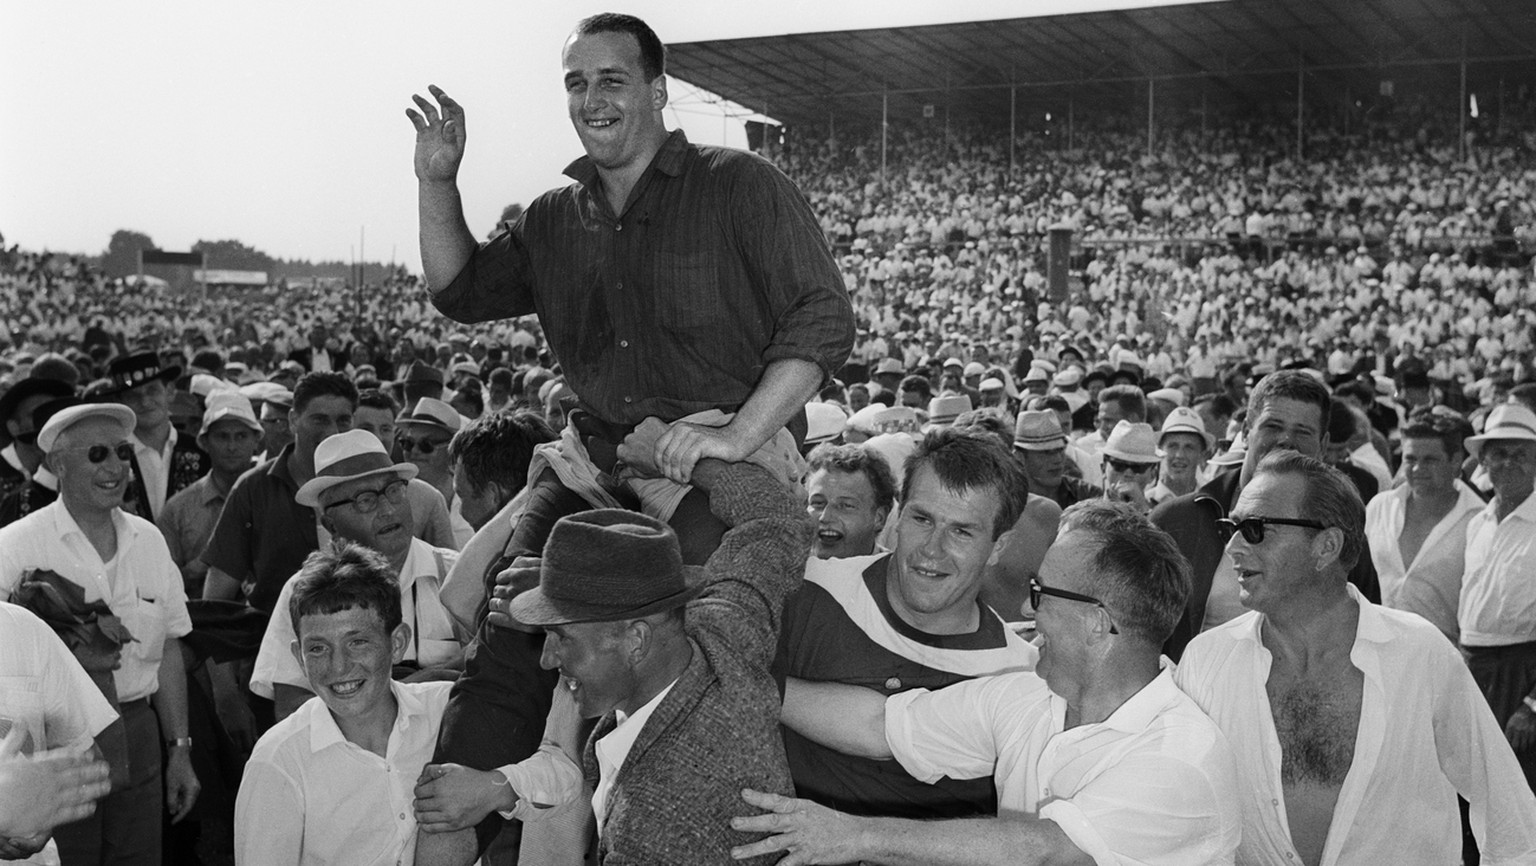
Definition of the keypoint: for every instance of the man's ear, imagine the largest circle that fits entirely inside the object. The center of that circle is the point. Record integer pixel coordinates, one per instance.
(399, 639)
(298, 654)
(659, 93)
(999, 545)
(1327, 547)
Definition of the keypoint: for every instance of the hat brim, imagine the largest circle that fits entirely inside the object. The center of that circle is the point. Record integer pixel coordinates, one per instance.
(1131, 458)
(1205, 436)
(1041, 446)
(534, 607)
(1474, 444)
(424, 422)
(168, 375)
(310, 493)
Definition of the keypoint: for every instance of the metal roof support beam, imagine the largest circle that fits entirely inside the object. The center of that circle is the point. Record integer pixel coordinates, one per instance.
(885, 128)
(1461, 104)
(1301, 80)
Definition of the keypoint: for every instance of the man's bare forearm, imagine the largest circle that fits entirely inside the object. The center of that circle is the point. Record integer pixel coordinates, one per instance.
(968, 842)
(446, 241)
(784, 389)
(850, 719)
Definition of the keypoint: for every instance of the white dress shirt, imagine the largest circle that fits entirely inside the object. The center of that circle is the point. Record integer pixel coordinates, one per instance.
(432, 644)
(614, 747)
(46, 698)
(1430, 586)
(1426, 734)
(1153, 784)
(311, 797)
(1498, 593)
(155, 469)
(142, 584)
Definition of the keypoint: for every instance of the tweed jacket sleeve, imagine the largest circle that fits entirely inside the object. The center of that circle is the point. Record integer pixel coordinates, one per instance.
(759, 563)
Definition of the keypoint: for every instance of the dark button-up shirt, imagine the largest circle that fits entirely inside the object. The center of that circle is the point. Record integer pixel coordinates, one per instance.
(715, 268)
(263, 535)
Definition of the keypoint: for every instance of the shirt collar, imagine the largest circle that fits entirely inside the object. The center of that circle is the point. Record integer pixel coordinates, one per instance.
(170, 443)
(279, 467)
(1143, 708)
(324, 732)
(44, 477)
(668, 160)
(1526, 510)
(64, 525)
(419, 564)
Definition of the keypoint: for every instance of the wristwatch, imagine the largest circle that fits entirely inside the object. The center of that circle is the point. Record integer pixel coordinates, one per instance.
(179, 743)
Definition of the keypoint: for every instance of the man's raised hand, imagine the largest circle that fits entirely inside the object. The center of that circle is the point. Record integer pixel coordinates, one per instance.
(439, 136)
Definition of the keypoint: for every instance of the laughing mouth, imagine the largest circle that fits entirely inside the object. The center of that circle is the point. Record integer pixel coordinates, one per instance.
(346, 689)
(600, 123)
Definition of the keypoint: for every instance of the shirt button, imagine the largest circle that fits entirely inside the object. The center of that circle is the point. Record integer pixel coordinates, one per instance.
(624, 344)
(629, 399)
(619, 285)
(619, 227)
(893, 683)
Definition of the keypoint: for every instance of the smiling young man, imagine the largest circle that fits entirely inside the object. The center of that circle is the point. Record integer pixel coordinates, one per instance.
(850, 491)
(333, 782)
(909, 618)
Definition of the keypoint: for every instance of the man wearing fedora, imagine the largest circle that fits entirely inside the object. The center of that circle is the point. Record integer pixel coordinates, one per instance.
(1130, 460)
(164, 462)
(1041, 447)
(360, 495)
(120, 560)
(672, 659)
(1497, 613)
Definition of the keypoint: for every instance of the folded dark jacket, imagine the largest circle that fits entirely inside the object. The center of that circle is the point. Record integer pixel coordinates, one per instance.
(61, 604)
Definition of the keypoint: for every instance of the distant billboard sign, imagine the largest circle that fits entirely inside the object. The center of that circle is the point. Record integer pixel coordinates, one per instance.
(230, 278)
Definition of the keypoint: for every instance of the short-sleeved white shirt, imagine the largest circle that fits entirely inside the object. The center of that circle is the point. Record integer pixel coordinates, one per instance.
(1498, 596)
(1152, 784)
(142, 584)
(310, 797)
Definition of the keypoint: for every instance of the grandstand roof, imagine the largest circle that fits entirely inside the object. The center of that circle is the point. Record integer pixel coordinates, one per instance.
(1230, 51)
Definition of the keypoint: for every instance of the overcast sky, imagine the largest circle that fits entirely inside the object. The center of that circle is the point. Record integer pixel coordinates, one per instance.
(282, 124)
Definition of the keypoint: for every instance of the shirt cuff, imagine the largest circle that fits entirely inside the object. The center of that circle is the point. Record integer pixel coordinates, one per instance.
(1083, 834)
(544, 781)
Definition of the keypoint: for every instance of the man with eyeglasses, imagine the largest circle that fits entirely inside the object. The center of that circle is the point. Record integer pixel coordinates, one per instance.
(423, 435)
(1497, 613)
(360, 494)
(1354, 726)
(120, 560)
(1096, 754)
(1288, 410)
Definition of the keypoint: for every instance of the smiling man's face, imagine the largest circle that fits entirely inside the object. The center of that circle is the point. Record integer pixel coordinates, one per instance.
(615, 109)
(348, 657)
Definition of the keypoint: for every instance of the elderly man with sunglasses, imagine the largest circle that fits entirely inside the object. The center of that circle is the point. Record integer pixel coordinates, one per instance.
(121, 561)
(360, 494)
(1097, 755)
(1355, 726)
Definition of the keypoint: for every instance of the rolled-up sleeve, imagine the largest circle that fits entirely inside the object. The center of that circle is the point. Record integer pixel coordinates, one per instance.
(787, 251)
(493, 284)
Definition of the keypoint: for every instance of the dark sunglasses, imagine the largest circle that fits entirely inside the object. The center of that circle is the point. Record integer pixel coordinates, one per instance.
(424, 446)
(368, 500)
(99, 453)
(1252, 528)
(1036, 590)
(1125, 466)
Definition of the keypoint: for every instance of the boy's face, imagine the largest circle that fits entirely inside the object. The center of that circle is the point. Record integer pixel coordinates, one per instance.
(348, 657)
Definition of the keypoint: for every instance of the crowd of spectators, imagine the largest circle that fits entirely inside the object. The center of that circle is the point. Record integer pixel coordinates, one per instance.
(1371, 305)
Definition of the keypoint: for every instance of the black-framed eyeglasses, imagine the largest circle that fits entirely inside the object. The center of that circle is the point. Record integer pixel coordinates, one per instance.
(368, 500)
(1036, 590)
(424, 446)
(1127, 466)
(1252, 528)
(99, 453)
